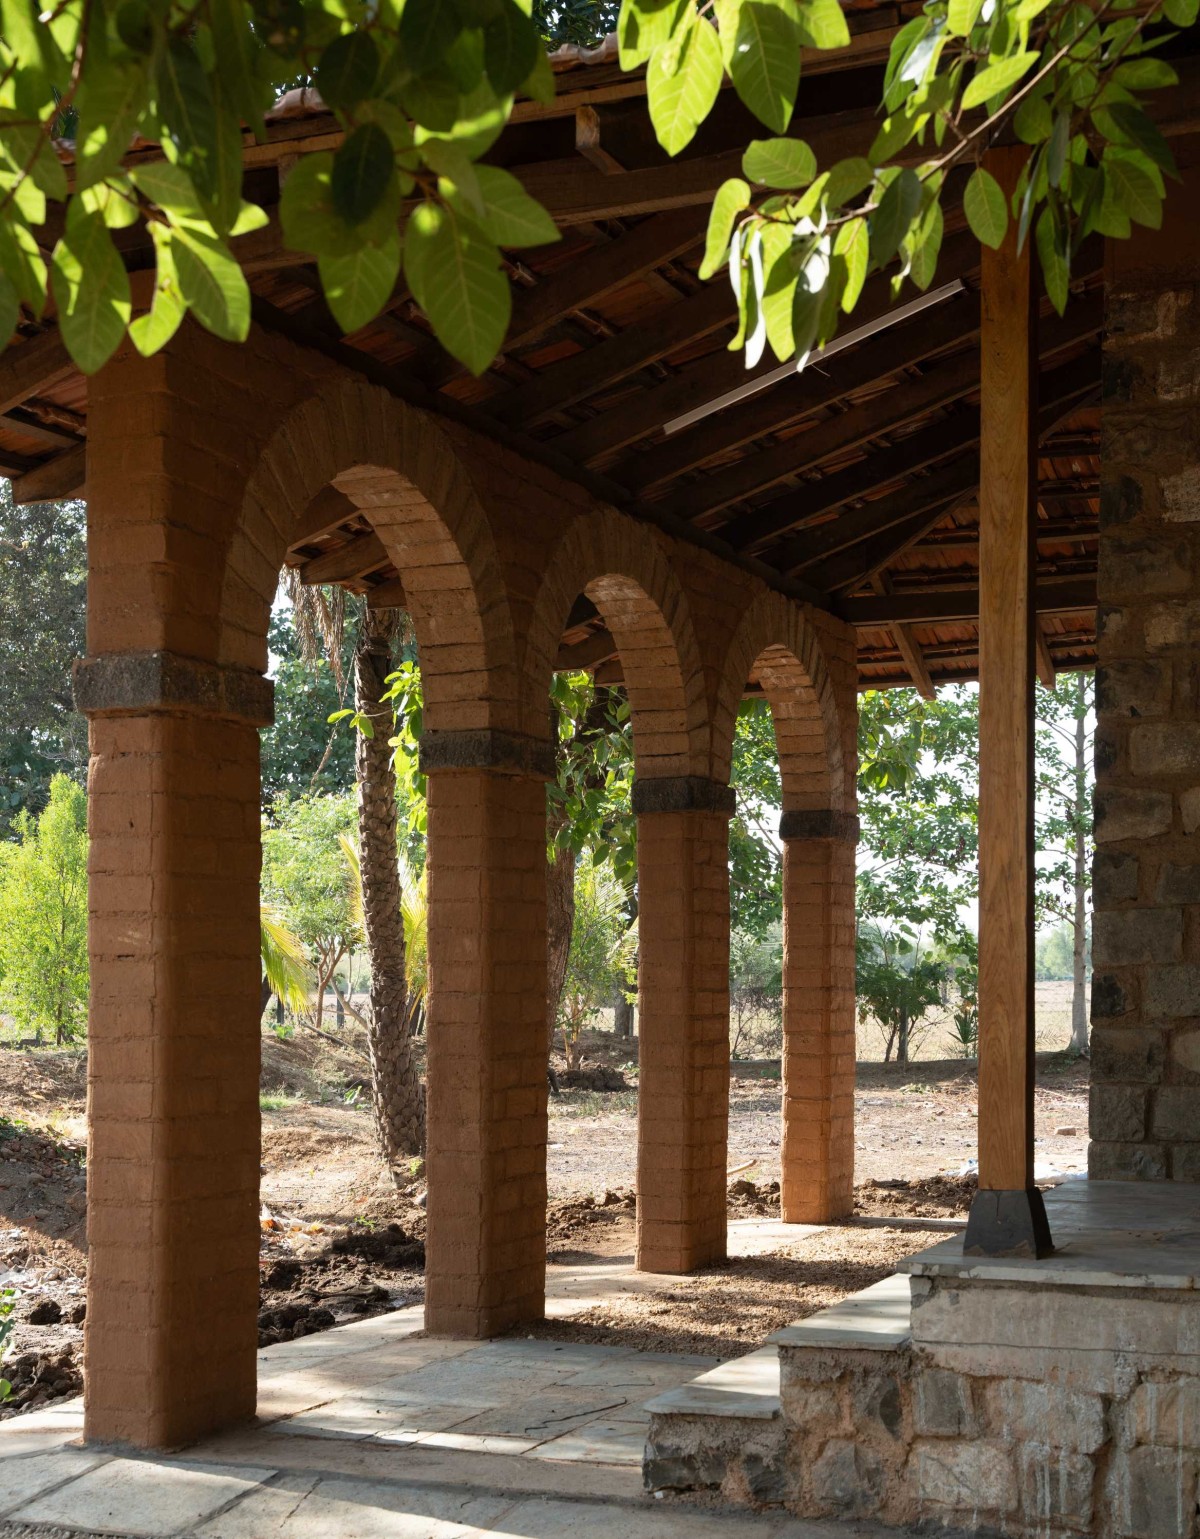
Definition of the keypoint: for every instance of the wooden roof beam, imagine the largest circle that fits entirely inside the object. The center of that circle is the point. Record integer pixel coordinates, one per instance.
(935, 442)
(356, 559)
(908, 647)
(1052, 596)
(902, 520)
(53, 480)
(598, 648)
(327, 512)
(28, 369)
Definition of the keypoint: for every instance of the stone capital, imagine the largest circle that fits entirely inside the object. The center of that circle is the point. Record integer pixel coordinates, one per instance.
(165, 683)
(683, 793)
(486, 748)
(820, 823)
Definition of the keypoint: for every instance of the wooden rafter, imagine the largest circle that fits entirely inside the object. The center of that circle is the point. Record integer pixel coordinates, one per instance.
(956, 604)
(364, 554)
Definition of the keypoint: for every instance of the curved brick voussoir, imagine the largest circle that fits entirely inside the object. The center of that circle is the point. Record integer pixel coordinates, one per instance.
(627, 571)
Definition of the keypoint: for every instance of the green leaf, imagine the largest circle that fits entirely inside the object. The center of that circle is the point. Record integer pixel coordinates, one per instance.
(538, 85)
(986, 208)
(998, 78)
(732, 197)
(91, 289)
(510, 44)
(226, 196)
(185, 105)
(1052, 253)
(1181, 13)
(10, 312)
(115, 204)
(22, 262)
(479, 119)
(111, 100)
(764, 62)
(925, 244)
(233, 41)
(362, 169)
(891, 220)
(777, 297)
(510, 216)
(1132, 188)
(1134, 127)
(427, 29)
(357, 287)
(893, 135)
(347, 70)
(1033, 121)
(433, 102)
(310, 222)
(212, 284)
(961, 16)
(153, 330)
(449, 160)
(822, 24)
(682, 83)
(1145, 74)
(853, 246)
(784, 163)
(848, 178)
(1107, 217)
(808, 303)
(644, 26)
(463, 60)
(454, 272)
(1056, 149)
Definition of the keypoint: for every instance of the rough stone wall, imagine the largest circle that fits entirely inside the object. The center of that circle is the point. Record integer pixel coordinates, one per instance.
(1145, 1108)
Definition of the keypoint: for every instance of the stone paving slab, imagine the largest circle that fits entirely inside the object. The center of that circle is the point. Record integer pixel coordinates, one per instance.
(25, 1476)
(154, 1498)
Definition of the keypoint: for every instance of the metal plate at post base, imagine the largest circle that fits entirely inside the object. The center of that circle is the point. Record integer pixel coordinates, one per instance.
(1008, 1223)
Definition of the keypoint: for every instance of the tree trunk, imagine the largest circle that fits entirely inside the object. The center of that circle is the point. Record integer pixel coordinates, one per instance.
(560, 919)
(1079, 1014)
(623, 1017)
(264, 995)
(398, 1097)
(902, 1045)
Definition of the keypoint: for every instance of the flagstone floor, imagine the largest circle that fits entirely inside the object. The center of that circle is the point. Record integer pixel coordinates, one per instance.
(372, 1431)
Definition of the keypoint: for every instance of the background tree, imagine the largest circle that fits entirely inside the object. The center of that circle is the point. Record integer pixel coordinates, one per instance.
(898, 983)
(43, 602)
(1065, 777)
(301, 752)
(601, 953)
(43, 916)
(305, 879)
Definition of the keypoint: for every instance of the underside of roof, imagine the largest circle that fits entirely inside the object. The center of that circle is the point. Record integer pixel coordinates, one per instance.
(852, 485)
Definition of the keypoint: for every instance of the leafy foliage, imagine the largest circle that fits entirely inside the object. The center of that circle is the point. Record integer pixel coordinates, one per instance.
(300, 753)
(42, 605)
(897, 984)
(423, 89)
(43, 916)
(600, 961)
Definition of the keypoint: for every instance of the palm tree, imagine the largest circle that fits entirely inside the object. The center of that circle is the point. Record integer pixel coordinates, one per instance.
(397, 1093)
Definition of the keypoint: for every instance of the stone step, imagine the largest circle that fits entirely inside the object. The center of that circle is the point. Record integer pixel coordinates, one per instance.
(722, 1427)
(877, 1319)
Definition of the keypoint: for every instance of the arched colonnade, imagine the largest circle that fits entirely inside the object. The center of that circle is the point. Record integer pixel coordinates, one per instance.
(201, 464)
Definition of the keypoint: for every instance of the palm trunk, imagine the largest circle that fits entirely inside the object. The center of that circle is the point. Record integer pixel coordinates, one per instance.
(1079, 1017)
(560, 919)
(398, 1097)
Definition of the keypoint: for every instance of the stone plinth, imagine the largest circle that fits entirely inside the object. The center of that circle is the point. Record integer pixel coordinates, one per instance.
(1038, 1400)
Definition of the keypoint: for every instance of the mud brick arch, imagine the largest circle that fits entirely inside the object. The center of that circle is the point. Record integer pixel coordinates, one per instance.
(203, 463)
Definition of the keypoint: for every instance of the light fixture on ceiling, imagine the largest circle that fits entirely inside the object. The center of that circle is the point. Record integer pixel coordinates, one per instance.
(838, 345)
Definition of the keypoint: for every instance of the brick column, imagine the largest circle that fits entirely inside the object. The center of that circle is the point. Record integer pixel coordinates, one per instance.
(173, 1046)
(683, 991)
(486, 1103)
(817, 1152)
(1145, 1084)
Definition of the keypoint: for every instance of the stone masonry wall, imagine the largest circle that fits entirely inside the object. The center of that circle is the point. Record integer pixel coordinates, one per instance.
(1145, 1111)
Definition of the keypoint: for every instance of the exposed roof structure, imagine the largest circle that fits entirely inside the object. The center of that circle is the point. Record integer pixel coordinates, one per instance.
(851, 485)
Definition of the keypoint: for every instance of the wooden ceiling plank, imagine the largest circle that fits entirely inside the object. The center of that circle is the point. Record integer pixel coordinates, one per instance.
(715, 375)
(562, 384)
(808, 547)
(53, 480)
(29, 426)
(913, 514)
(921, 608)
(922, 448)
(598, 648)
(32, 367)
(366, 553)
(1045, 663)
(328, 510)
(387, 595)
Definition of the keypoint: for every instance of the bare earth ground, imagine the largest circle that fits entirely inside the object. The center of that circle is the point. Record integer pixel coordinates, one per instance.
(339, 1242)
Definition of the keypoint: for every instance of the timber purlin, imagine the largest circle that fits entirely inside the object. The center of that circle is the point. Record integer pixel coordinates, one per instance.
(849, 488)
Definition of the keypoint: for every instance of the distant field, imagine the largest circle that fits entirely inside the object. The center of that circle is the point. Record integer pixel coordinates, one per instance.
(935, 1036)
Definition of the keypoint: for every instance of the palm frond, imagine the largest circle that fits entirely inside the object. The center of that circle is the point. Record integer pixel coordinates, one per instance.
(284, 964)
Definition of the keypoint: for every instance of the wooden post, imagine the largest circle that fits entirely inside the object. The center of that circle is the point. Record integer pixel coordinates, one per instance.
(1007, 1217)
